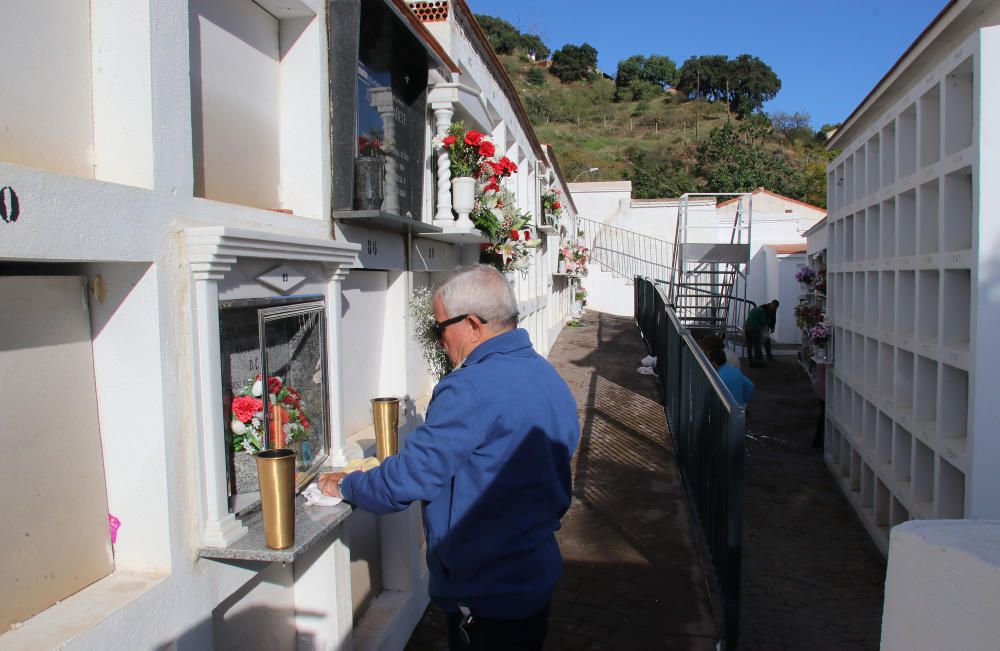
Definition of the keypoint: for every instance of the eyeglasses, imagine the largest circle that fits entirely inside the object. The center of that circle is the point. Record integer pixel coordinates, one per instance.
(439, 326)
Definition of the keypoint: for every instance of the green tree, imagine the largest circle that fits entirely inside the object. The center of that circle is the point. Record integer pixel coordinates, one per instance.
(660, 70)
(733, 159)
(535, 76)
(745, 82)
(658, 179)
(574, 62)
(504, 38)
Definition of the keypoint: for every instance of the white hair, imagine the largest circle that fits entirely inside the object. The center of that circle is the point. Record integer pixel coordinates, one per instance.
(480, 290)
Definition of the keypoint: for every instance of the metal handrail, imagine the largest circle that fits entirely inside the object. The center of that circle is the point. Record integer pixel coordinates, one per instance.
(708, 429)
(627, 253)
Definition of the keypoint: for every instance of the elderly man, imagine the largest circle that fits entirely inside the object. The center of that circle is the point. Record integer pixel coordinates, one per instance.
(491, 465)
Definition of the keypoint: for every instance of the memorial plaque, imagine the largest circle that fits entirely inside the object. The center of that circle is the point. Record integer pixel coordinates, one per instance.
(391, 105)
(273, 348)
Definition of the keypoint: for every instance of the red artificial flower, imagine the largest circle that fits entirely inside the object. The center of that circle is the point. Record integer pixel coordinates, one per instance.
(485, 247)
(473, 138)
(515, 235)
(448, 141)
(244, 407)
(291, 400)
(507, 166)
(492, 186)
(486, 148)
(304, 421)
(556, 205)
(273, 384)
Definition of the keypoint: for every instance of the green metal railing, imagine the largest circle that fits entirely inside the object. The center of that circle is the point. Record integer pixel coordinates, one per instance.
(708, 430)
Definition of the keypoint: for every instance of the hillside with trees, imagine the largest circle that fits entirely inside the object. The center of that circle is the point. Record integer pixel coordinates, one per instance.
(669, 128)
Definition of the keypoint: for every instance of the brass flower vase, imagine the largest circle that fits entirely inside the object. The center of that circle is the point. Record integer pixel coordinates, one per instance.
(276, 471)
(386, 415)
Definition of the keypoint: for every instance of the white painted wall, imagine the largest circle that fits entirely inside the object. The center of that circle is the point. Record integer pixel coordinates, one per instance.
(46, 115)
(941, 586)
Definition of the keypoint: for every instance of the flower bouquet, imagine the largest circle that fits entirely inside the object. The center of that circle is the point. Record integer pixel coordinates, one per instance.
(808, 315)
(805, 275)
(576, 257)
(468, 150)
(511, 239)
(551, 206)
(819, 335)
(286, 421)
(422, 311)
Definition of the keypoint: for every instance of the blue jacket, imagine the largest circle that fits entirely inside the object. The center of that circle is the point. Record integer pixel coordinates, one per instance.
(491, 465)
(737, 383)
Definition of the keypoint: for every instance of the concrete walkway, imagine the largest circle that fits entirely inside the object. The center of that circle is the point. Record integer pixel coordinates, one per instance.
(633, 580)
(632, 577)
(812, 577)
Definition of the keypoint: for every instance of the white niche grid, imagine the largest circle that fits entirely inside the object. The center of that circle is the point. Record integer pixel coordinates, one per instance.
(902, 267)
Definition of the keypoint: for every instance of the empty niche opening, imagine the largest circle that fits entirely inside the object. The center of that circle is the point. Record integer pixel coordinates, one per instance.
(872, 247)
(957, 215)
(902, 441)
(957, 308)
(855, 470)
(926, 402)
(871, 363)
(847, 306)
(923, 472)
(906, 223)
(905, 297)
(831, 191)
(872, 296)
(870, 424)
(849, 238)
(958, 107)
(888, 227)
(884, 447)
(887, 306)
(930, 126)
(904, 380)
(881, 504)
(885, 370)
(860, 236)
(858, 363)
(951, 491)
(906, 135)
(859, 174)
(841, 189)
(872, 164)
(929, 220)
(954, 402)
(845, 459)
(867, 487)
(897, 513)
(849, 181)
(889, 154)
(927, 302)
(859, 298)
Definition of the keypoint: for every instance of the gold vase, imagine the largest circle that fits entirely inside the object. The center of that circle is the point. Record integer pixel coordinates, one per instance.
(386, 415)
(276, 471)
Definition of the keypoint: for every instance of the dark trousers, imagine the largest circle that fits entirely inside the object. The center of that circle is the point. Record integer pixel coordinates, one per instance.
(755, 340)
(526, 634)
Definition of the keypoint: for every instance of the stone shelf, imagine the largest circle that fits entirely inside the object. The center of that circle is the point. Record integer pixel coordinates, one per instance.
(385, 221)
(458, 237)
(312, 524)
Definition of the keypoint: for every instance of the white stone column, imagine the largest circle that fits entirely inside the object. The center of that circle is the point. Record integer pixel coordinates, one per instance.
(221, 528)
(382, 101)
(443, 114)
(334, 375)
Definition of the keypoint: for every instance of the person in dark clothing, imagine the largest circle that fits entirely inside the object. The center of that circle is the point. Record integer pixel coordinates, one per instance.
(772, 320)
(753, 331)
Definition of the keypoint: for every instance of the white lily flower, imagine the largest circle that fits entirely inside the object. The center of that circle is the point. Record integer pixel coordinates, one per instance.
(437, 142)
(237, 427)
(257, 389)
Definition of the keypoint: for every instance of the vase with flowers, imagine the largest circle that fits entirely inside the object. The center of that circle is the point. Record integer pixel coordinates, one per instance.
(369, 173)
(468, 152)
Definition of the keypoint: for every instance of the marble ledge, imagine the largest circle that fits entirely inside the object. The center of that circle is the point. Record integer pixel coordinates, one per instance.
(312, 526)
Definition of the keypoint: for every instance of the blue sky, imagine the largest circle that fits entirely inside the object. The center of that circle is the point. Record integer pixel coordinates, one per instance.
(827, 55)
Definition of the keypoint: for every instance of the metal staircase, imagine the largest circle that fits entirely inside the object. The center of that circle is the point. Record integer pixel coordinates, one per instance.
(709, 266)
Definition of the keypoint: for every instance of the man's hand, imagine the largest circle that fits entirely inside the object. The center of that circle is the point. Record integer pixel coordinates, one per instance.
(329, 483)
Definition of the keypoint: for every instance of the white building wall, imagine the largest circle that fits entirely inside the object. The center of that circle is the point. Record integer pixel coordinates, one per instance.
(114, 118)
(941, 586)
(910, 414)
